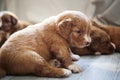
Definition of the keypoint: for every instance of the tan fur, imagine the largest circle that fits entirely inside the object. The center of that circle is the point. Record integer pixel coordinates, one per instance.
(9, 24)
(29, 50)
(100, 43)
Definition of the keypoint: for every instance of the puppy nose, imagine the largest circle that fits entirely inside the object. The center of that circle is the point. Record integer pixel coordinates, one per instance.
(87, 43)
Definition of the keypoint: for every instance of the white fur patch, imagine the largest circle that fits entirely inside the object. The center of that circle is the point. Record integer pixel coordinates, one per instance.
(74, 68)
(81, 46)
(67, 72)
(113, 45)
(69, 19)
(87, 38)
(74, 56)
(97, 53)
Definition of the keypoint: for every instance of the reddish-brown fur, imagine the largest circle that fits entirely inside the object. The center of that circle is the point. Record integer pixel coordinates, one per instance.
(113, 31)
(100, 43)
(10, 24)
(29, 50)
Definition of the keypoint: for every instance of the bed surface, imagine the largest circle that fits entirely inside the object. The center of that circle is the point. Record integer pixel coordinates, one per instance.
(104, 67)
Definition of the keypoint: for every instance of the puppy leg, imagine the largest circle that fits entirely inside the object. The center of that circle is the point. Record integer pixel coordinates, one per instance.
(50, 71)
(31, 62)
(62, 53)
(74, 56)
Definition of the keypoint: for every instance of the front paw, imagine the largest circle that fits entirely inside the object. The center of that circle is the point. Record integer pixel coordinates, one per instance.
(74, 68)
(75, 57)
(97, 53)
(67, 72)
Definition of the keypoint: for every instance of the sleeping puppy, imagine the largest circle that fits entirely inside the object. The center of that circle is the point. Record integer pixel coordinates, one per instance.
(9, 23)
(113, 31)
(29, 50)
(100, 44)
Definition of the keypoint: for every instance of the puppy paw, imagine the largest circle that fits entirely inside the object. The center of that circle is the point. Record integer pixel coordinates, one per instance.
(67, 72)
(97, 53)
(74, 68)
(75, 57)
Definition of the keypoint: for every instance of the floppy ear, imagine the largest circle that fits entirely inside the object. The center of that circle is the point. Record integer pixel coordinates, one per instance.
(13, 20)
(64, 27)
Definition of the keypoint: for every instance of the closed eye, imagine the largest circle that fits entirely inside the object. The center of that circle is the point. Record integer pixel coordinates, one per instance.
(78, 32)
(7, 21)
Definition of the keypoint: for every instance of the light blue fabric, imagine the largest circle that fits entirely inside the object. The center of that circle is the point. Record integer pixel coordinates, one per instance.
(104, 67)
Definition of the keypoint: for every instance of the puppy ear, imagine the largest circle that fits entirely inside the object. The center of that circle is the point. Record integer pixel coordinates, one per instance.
(64, 27)
(64, 21)
(95, 36)
(13, 20)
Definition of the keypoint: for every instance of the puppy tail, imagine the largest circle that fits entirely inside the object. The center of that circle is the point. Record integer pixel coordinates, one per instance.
(2, 72)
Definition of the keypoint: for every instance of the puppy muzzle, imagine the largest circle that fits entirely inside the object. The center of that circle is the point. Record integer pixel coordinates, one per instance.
(113, 45)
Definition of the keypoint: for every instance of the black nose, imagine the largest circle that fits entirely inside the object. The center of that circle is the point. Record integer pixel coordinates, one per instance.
(87, 43)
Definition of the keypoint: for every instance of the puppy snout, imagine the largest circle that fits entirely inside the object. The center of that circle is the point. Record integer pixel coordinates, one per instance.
(113, 45)
(87, 40)
(87, 43)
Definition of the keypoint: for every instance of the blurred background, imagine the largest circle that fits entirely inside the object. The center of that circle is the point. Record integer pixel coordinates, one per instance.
(105, 11)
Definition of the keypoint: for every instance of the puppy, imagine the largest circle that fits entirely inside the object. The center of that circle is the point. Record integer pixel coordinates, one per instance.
(113, 31)
(101, 43)
(55, 63)
(9, 23)
(29, 50)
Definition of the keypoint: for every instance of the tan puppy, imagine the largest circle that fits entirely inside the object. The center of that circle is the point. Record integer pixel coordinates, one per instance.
(29, 50)
(9, 24)
(100, 44)
(113, 31)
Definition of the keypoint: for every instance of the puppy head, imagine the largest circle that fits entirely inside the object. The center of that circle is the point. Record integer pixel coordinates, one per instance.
(101, 41)
(7, 21)
(74, 26)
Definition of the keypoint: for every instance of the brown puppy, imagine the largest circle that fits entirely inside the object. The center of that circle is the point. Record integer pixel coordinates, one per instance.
(29, 50)
(9, 24)
(113, 31)
(100, 44)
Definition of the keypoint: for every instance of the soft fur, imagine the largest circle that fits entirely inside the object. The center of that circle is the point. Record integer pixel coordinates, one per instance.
(9, 24)
(29, 50)
(113, 31)
(101, 43)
